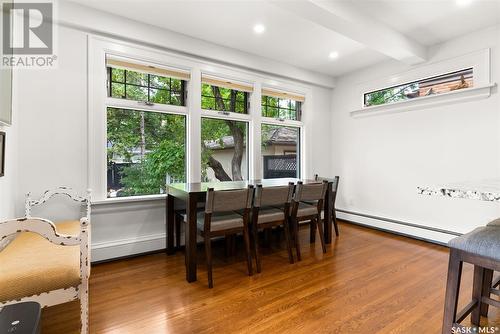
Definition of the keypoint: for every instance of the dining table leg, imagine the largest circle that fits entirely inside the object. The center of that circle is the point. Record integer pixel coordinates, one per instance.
(190, 235)
(170, 224)
(327, 221)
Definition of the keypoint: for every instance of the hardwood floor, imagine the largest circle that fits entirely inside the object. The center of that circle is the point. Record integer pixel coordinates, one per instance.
(368, 282)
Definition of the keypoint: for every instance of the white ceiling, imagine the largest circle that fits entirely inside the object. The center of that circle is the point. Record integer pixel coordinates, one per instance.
(299, 40)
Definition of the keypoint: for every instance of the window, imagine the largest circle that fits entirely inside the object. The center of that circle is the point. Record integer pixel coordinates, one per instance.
(147, 84)
(280, 108)
(425, 87)
(224, 150)
(145, 150)
(281, 105)
(280, 151)
(224, 95)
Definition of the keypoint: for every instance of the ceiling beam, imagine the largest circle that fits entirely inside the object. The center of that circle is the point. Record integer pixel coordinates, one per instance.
(342, 18)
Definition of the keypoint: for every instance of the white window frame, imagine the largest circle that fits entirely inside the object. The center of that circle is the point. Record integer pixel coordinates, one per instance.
(99, 101)
(479, 61)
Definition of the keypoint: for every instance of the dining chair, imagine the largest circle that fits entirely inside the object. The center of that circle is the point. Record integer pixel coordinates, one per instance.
(221, 219)
(271, 207)
(335, 186)
(302, 210)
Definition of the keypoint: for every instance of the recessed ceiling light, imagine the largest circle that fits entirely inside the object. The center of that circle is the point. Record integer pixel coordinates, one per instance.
(259, 28)
(463, 3)
(333, 55)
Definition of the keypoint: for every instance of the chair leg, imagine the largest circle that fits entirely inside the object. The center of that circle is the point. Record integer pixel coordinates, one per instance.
(334, 220)
(255, 231)
(487, 285)
(321, 235)
(288, 241)
(477, 290)
(208, 255)
(267, 237)
(452, 291)
(296, 238)
(248, 252)
(312, 231)
(178, 221)
(84, 307)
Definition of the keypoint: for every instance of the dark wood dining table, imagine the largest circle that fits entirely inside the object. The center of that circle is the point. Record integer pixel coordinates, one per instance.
(188, 195)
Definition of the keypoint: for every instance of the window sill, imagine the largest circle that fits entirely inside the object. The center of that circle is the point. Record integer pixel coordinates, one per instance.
(130, 199)
(463, 95)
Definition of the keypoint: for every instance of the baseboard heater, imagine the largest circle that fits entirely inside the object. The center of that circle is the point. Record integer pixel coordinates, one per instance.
(398, 222)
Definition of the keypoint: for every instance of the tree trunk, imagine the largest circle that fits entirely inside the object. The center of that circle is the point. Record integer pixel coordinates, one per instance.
(219, 171)
(238, 137)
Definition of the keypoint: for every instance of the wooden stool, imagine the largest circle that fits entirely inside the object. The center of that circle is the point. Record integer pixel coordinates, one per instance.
(481, 248)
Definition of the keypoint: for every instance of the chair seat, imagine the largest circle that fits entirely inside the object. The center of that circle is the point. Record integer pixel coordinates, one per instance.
(30, 264)
(267, 215)
(496, 223)
(220, 221)
(483, 241)
(306, 210)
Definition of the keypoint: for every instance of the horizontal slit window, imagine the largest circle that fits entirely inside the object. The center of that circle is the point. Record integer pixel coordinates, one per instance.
(425, 87)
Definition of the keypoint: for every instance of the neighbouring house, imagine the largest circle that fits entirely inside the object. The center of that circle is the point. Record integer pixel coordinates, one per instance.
(279, 153)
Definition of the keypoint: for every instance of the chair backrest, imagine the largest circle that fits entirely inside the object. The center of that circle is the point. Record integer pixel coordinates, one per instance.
(40, 226)
(229, 200)
(335, 184)
(310, 192)
(270, 196)
(84, 200)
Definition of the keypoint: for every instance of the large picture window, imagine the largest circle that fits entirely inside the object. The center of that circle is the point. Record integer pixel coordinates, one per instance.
(280, 151)
(426, 87)
(224, 150)
(145, 151)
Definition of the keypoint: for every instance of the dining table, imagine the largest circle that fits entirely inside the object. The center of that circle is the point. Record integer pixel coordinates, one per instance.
(188, 195)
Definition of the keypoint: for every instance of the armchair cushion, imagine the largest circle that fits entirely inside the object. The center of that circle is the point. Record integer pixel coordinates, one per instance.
(31, 264)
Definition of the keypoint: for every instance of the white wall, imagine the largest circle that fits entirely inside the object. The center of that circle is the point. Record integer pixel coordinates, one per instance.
(382, 159)
(53, 150)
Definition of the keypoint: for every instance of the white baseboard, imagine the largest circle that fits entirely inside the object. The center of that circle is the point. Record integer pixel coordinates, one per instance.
(108, 250)
(393, 226)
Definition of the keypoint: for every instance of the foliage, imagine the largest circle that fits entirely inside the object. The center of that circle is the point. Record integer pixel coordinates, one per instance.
(233, 100)
(164, 146)
(148, 147)
(389, 95)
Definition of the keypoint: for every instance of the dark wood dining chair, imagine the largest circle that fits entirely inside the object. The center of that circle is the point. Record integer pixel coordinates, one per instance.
(335, 186)
(303, 210)
(220, 218)
(480, 248)
(271, 207)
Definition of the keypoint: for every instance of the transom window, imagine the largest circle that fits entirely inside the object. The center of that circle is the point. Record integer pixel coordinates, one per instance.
(281, 105)
(425, 87)
(132, 85)
(223, 99)
(280, 108)
(224, 95)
